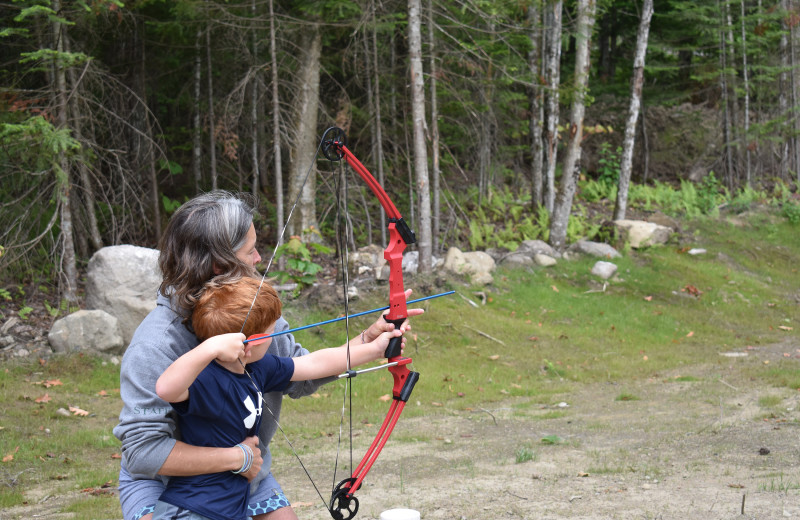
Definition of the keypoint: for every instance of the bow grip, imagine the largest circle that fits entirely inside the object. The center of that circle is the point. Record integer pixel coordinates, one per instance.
(395, 344)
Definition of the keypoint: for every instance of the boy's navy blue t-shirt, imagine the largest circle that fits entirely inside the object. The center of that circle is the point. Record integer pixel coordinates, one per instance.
(223, 408)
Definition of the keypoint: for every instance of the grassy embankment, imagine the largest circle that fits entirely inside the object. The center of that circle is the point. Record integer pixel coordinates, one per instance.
(540, 333)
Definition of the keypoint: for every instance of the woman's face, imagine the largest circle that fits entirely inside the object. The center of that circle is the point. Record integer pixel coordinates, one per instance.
(247, 253)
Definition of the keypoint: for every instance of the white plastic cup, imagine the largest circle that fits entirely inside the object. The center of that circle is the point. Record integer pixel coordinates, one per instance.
(400, 514)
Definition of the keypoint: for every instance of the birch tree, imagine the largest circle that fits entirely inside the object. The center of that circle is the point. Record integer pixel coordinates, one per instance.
(626, 161)
(434, 130)
(536, 118)
(553, 28)
(571, 169)
(302, 167)
(424, 243)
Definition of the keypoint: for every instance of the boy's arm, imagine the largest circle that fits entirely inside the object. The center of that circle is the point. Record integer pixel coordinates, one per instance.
(173, 385)
(333, 361)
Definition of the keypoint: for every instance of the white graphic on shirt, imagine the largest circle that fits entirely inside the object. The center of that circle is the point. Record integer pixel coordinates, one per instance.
(250, 420)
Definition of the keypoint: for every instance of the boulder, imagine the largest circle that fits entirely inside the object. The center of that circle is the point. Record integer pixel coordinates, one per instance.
(598, 249)
(604, 270)
(123, 281)
(639, 233)
(96, 331)
(476, 264)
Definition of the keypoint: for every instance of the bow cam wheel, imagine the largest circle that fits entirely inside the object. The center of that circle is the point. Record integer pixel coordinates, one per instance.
(343, 505)
(332, 141)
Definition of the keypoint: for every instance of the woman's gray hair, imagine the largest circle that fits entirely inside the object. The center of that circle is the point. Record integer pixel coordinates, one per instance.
(201, 240)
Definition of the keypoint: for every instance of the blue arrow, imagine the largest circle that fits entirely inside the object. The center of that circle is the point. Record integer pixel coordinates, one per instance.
(334, 320)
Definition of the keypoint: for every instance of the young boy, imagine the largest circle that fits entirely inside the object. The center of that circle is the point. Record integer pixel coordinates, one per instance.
(217, 401)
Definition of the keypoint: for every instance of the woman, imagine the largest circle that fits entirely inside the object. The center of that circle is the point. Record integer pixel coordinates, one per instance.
(210, 235)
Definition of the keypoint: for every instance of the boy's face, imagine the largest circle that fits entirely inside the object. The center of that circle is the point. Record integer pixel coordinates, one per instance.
(258, 351)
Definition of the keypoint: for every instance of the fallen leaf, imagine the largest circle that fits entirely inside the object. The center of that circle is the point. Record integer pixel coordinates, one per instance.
(691, 289)
(691, 333)
(116, 456)
(648, 298)
(77, 411)
(102, 393)
(44, 399)
(385, 397)
(494, 357)
(10, 456)
(554, 288)
(52, 382)
(784, 327)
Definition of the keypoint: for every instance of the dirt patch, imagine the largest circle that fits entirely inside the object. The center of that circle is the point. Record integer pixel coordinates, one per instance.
(691, 445)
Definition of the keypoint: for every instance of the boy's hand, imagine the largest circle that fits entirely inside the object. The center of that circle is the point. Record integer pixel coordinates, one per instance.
(382, 342)
(227, 347)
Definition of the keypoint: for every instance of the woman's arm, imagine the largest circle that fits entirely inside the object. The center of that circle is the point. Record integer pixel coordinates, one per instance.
(186, 460)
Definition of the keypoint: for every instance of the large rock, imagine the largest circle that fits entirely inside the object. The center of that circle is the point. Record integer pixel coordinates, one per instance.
(639, 233)
(537, 247)
(123, 281)
(476, 264)
(96, 331)
(598, 249)
(604, 270)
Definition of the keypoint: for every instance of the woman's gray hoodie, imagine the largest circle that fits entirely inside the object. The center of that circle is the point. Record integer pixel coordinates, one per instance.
(147, 425)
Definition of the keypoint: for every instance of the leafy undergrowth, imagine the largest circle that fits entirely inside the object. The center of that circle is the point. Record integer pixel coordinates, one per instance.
(535, 335)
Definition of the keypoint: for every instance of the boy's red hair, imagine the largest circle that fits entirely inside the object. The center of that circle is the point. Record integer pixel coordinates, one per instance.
(224, 304)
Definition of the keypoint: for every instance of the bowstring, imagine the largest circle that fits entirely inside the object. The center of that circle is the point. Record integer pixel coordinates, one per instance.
(341, 186)
(252, 304)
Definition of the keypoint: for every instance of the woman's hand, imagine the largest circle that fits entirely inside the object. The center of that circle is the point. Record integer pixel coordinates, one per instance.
(255, 467)
(381, 325)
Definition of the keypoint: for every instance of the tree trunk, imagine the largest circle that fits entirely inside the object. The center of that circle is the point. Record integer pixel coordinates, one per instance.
(784, 90)
(553, 81)
(746, 84)
(378, 118)
(369, 76)
(420, 152)
(302, 182)
(733, 179)
(87, 187)
(434, 132)
(197, 130)
(795, 140)
(69, 270)
(723, 86)
(212, 134)
(535, 61)
(276, 130)
(566, 192)
(254, 119)
(633, 110)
